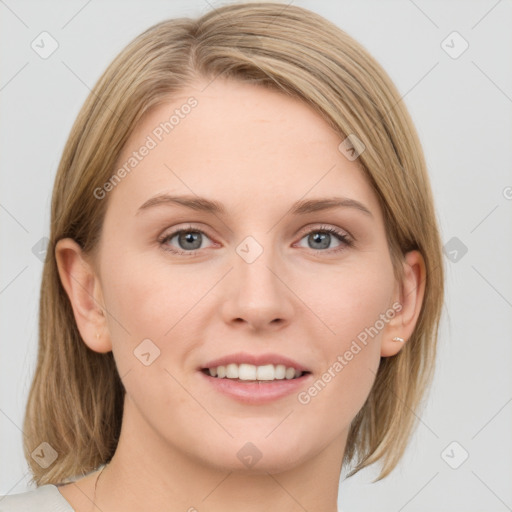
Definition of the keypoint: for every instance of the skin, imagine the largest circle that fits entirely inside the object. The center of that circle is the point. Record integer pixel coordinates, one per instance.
(256, 151)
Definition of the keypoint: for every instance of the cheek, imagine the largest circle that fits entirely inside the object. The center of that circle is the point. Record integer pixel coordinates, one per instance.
(350, 297)
(148, 302)
(351, 304)
(149, 295)
(150, 298)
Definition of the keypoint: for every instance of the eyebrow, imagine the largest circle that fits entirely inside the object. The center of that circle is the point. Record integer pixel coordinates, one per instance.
(302, 207)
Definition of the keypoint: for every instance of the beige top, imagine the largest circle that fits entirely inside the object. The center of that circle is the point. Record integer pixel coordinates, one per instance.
(45, 498)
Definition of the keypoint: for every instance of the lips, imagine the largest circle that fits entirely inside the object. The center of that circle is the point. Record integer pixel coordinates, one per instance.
(266, 368)
(256, 392)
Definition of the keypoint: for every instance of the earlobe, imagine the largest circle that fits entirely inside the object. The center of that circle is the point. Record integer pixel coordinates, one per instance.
(410, 297)
(83, 289)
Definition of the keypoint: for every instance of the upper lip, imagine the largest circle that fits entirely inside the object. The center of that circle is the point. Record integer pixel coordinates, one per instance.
(256, 360)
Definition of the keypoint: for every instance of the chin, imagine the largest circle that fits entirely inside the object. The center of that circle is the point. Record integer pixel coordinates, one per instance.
(253, 454)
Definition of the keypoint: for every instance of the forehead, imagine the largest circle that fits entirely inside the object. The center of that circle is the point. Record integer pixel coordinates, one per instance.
(240, 144)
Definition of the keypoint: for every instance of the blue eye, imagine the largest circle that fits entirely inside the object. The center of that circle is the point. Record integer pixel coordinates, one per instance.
(191, 239)
(322, 238)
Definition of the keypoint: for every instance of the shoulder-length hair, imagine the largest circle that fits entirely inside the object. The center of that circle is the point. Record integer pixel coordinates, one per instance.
(76, 398)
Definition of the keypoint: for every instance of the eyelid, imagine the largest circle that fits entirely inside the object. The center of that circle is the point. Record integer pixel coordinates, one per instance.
(325, 227)
(186, 226)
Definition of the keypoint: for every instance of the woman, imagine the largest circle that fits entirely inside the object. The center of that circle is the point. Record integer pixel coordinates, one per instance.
(244, 281)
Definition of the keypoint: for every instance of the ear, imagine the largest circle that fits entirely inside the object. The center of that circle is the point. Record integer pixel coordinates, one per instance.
(410, 296)
(83, 288)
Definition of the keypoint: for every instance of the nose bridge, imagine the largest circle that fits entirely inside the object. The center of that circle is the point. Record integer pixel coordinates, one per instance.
(258, 294)
(253, 268)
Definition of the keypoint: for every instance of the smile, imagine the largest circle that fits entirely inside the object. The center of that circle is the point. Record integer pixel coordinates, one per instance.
(252, 373)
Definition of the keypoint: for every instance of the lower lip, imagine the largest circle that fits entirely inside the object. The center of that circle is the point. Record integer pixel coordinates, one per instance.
(257, 392)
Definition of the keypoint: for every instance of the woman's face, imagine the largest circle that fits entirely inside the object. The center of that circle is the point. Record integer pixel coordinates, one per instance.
(257, 279)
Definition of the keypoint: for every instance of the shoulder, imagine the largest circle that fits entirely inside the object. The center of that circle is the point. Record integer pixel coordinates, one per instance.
(45, 498)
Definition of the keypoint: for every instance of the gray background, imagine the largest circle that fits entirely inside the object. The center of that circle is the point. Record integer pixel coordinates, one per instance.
(462, 109)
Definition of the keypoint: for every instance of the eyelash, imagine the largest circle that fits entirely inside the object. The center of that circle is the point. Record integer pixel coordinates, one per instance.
(346, 241)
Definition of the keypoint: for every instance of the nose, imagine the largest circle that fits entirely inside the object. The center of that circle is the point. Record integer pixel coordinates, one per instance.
(257, 296)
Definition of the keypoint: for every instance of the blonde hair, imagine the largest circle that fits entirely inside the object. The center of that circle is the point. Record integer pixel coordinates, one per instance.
(76, 398)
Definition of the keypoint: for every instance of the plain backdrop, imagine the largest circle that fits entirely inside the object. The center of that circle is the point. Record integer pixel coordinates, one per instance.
(461, 102)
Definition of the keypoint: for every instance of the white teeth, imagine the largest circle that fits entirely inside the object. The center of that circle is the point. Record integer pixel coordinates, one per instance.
(246, 371)
(290, 373)
(232, 371)
(250, 372)
(266, 372)
(279, 371)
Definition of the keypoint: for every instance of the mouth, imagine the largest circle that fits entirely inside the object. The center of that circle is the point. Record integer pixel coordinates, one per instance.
(255, 379)
(247, 373)
(255, 385)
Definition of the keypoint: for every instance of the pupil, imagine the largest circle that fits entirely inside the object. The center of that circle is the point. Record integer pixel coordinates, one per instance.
(322, 237)
(190, 238)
